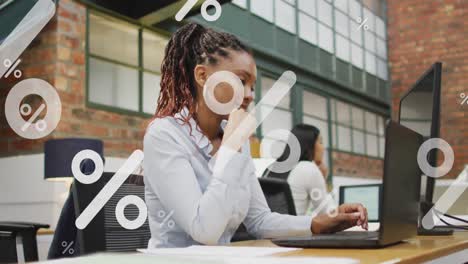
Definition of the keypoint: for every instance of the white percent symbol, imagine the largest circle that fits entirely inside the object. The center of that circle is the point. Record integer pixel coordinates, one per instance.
(130, 165)
(271, 99)
(191, 3)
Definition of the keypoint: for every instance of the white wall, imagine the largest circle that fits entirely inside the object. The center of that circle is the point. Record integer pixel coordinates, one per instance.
(26, 196)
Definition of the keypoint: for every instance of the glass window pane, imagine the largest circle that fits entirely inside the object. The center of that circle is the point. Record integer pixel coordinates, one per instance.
(369, 41)
(325, 38)
(325, 12)
(308, 6)
(334, 137)
(315, 105)
(343, 113)
(113, 85)
(372, 149)
(342, 5)
(380, 28)
(371, 122)
(370, 19)
(357, 56)
(381, 48)
(240, 3)
(370, 63)
(382, 69)
(358, 117)
(153, 50)
(354, 9)
(358, 142)
(151, 89)
(292, 2)
(307, 28)
(321, 125)
(278, 119)
(344, 138)
(342, 48)
(382, 147)
(113, 40)
(263, 9)
(267, 83)
(341, 23)
(333, 109)
(285, 16)
(381, 123)
(356, 32)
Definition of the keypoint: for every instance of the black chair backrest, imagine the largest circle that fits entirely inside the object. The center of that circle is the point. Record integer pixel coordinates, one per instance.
(13, 234)
(104, 233)
(278, 195)
(279, 198)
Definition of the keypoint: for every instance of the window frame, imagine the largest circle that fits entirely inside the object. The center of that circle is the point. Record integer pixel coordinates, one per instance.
(140, 65)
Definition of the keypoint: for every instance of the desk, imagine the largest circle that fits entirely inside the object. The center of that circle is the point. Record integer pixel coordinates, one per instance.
(417, 250)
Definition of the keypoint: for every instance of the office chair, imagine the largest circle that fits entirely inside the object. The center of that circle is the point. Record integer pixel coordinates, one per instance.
(104, 233)
(18, 241)
(279, 199)
(278, 195)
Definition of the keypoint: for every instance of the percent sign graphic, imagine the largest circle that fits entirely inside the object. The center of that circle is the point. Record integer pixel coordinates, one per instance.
(24, 33)
(317, 196)
(464, 99)
(131, 164)
(68, 247)
(271, 99)
(17, 73)
(15, 110)
(191, 3)
(456, 189)
(362, 23)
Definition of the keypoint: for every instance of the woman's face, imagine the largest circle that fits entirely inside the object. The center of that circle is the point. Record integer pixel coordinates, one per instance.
(319, 149)
(241, 64)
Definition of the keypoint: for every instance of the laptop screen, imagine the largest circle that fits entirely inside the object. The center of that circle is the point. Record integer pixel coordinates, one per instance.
(367, 195)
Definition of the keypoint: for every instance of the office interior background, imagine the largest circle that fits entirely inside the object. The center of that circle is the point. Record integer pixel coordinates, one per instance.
(105, 65)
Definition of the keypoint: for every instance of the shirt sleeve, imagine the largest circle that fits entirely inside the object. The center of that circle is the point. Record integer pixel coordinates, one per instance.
(262, 223)
(314, 182)
(202, 215)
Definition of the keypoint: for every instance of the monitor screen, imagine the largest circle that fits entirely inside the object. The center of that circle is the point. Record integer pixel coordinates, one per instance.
(367, 195)
(416, 108)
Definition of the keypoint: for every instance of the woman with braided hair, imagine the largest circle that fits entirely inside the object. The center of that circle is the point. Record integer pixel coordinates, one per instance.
(186, 143)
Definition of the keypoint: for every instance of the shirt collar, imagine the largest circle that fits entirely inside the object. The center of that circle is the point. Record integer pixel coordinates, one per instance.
(195, 134)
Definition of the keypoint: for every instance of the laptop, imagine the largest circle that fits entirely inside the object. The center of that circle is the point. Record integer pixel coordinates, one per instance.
(400, 199)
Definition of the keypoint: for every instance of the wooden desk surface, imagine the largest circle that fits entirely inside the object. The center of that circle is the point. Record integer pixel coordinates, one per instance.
(417, 250)
(45, 231)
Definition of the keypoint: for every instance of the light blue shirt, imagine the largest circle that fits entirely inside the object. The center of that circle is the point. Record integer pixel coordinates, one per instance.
(191, 200)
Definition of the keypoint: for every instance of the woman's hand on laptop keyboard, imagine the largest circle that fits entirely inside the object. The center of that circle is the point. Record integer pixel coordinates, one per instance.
(348, 215)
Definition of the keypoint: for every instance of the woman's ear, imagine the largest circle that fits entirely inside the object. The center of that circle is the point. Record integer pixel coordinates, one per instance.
(200, 75)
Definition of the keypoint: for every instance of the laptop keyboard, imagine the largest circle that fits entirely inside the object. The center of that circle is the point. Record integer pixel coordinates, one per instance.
(358, 235)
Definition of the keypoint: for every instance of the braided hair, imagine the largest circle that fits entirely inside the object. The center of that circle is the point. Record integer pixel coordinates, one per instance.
(188, 47)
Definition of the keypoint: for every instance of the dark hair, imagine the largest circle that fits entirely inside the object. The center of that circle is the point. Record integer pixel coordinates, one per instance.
(189, 46)
(307, 136)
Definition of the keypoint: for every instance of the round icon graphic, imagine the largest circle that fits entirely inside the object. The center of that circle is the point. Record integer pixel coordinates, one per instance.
(445, 167)
(33, 128)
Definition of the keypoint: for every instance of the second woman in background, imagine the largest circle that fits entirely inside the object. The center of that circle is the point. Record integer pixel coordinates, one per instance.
(307, 178)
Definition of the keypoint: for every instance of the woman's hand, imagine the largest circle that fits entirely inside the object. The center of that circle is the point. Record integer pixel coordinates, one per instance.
(239, 128)
(349, 215)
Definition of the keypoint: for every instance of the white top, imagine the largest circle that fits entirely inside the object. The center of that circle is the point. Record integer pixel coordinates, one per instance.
(193, 198)
(309, 189)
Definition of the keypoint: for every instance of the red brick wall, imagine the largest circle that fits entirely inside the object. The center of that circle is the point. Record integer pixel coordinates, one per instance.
(57, 55)
(420, 33)
(345, 164)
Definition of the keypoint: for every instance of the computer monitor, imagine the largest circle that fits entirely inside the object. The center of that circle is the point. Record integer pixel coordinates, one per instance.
(420, 111)
(369, 195)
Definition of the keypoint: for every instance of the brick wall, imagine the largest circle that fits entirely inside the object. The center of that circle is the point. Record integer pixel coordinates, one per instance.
(420, 33)
(345, 164)
(57, 55)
